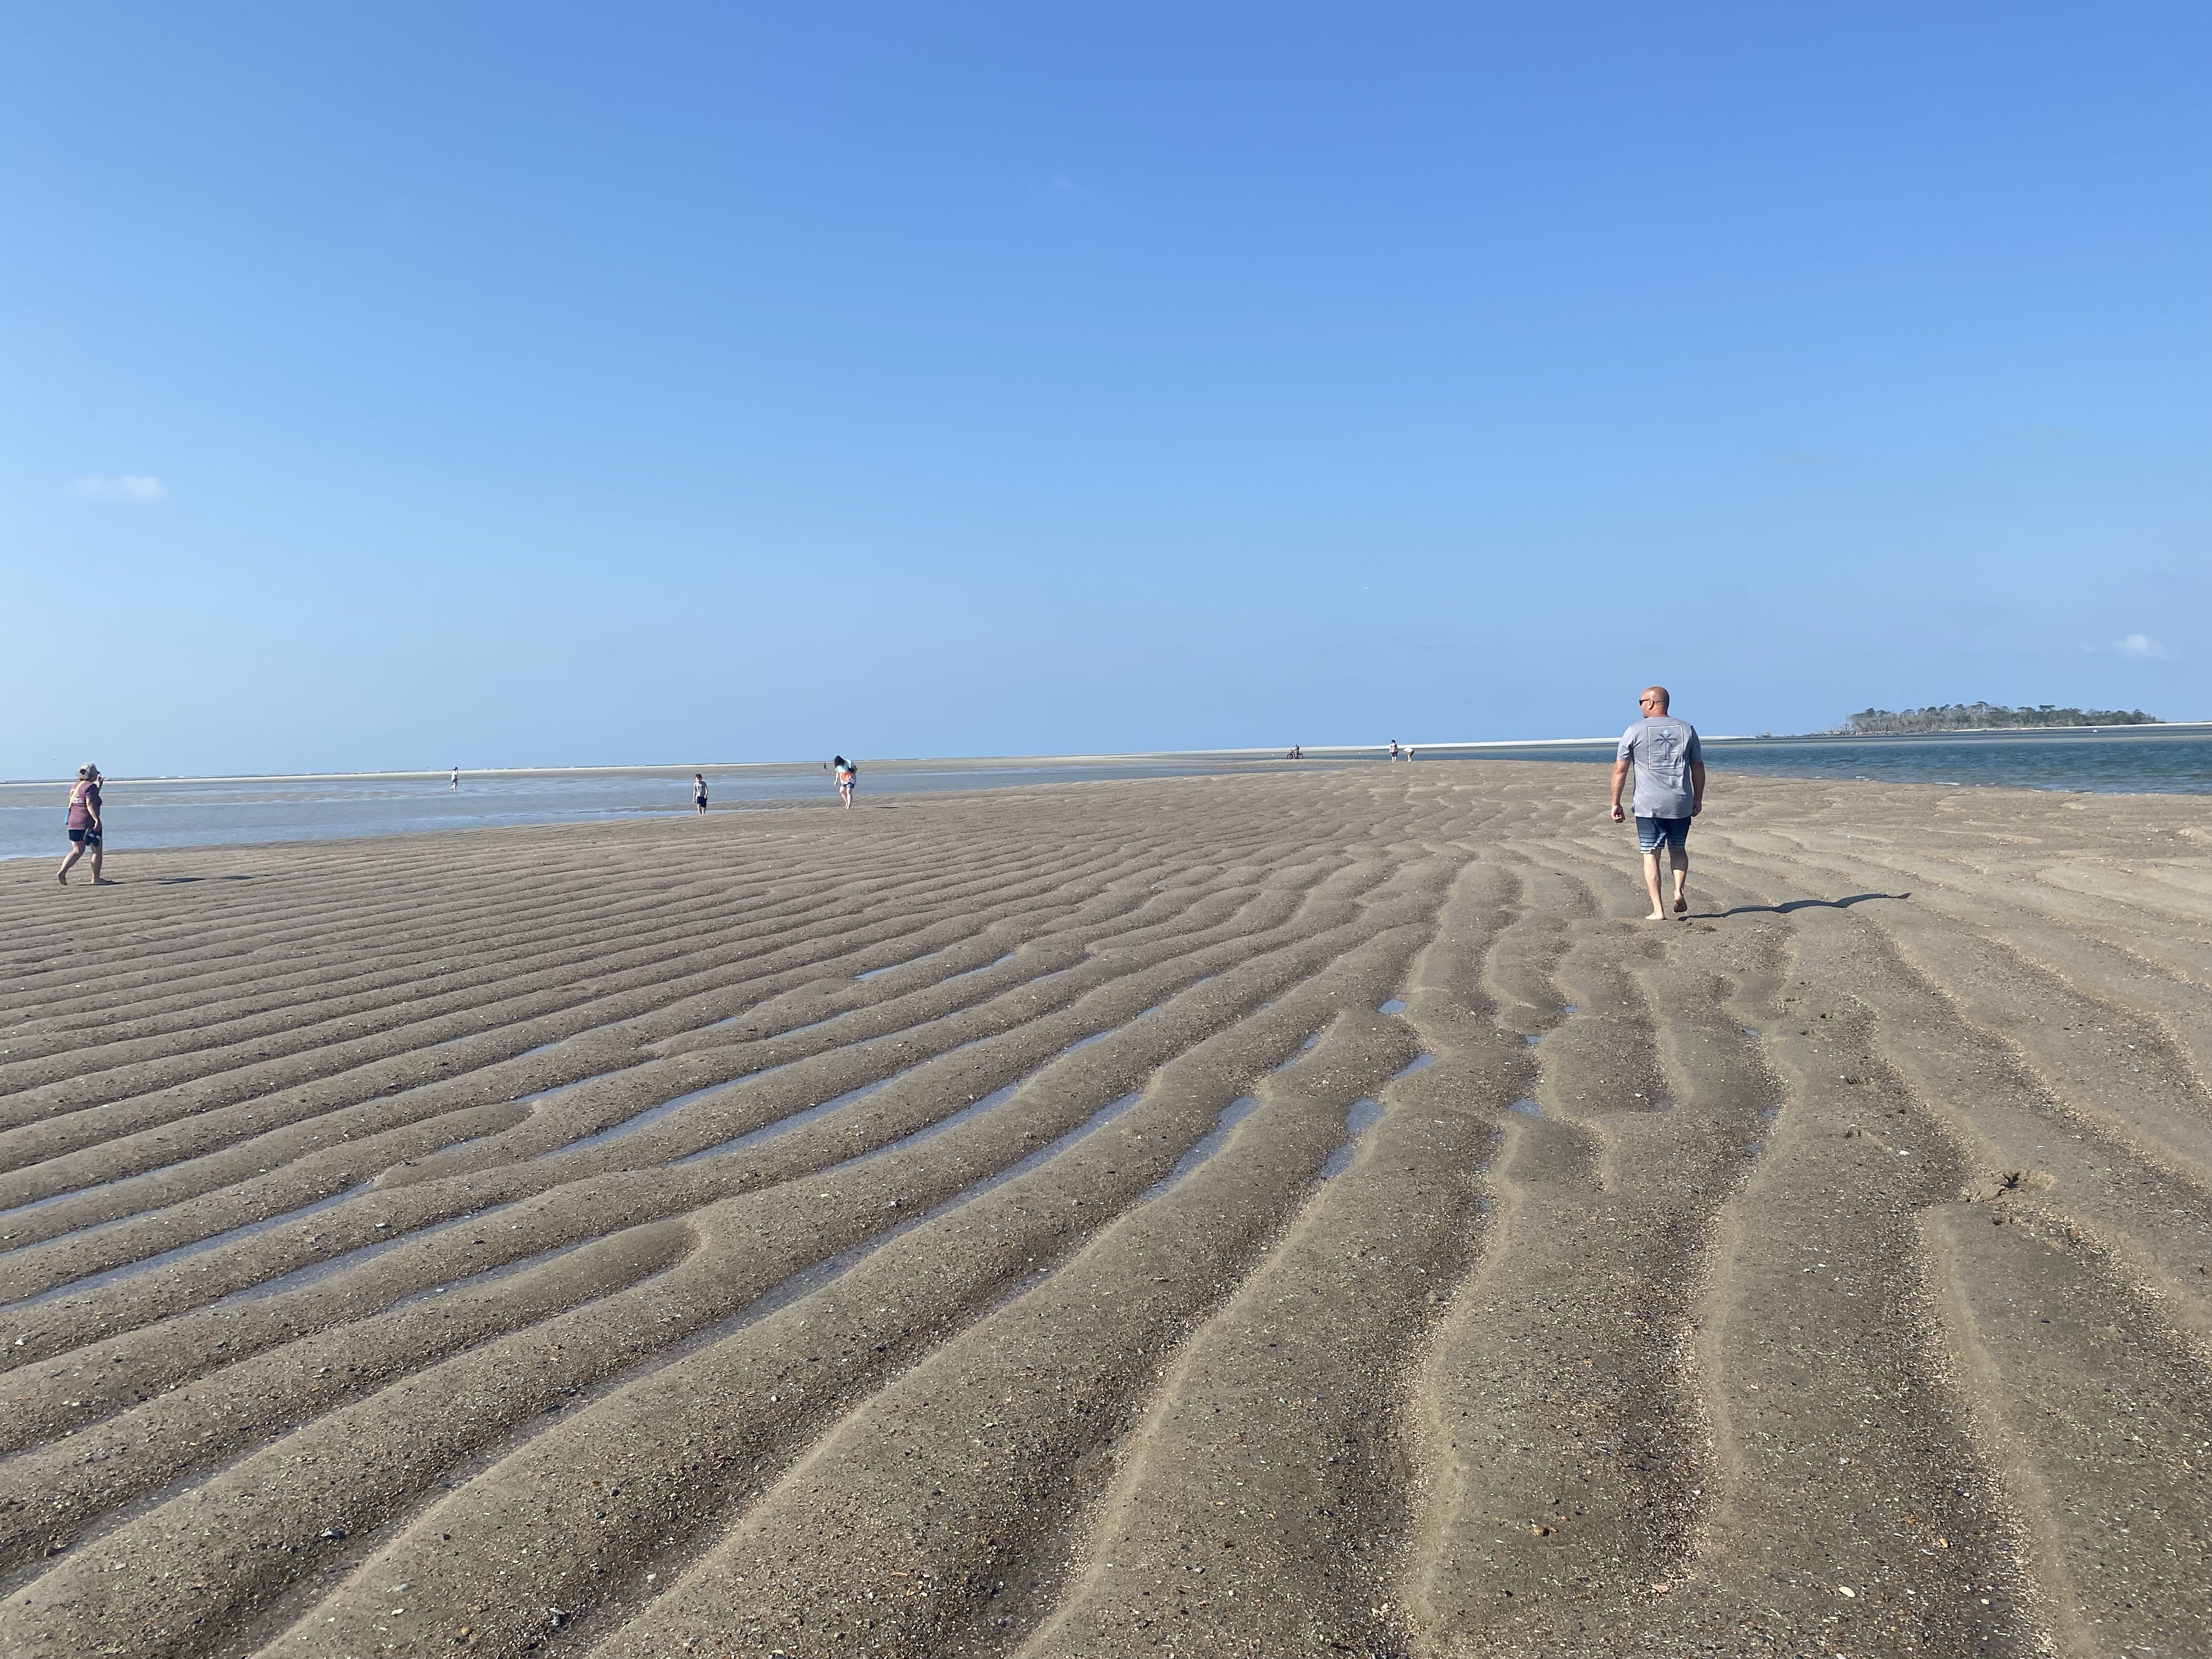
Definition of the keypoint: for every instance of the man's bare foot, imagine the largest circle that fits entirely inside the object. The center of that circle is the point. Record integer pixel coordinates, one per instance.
(63, 879)
(1680, 904)
(1656, 915)
(102, 881)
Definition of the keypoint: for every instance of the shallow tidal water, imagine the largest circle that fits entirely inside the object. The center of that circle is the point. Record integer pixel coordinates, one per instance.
(2133, 762)
(215, 811)
(143, 813)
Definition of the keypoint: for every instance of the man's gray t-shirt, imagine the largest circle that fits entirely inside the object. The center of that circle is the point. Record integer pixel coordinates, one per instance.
(1664, 750)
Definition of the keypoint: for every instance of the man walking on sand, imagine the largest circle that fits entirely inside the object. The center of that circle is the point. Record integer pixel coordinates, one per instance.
(1670, 791)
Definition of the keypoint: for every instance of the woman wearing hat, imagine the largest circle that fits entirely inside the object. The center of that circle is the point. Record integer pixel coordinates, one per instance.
(84, 825)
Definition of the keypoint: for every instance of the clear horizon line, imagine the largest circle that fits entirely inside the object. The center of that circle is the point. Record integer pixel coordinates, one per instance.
(1310, 751)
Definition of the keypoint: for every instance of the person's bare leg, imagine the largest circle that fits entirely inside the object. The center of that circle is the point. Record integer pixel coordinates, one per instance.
(76, 852)
(1680, 861)
(1651, 886)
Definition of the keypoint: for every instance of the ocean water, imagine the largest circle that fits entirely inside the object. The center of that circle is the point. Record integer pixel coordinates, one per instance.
(211, 811)
(215, 811)
(2169, 766)
(2137, 760)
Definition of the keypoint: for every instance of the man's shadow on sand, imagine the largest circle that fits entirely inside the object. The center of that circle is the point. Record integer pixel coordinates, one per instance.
(1789, 905)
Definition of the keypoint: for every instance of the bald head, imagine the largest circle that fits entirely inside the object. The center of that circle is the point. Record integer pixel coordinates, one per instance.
(1653, 699)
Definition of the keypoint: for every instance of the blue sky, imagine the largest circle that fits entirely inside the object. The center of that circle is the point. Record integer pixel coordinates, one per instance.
(402, 385)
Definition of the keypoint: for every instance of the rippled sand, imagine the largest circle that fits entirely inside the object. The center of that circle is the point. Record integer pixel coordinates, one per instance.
(1283, 1215)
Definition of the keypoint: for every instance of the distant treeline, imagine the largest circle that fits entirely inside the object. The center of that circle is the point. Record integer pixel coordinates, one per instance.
(1961, 716)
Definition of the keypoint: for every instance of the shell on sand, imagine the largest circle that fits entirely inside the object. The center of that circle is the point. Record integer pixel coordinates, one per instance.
(1011, 1223)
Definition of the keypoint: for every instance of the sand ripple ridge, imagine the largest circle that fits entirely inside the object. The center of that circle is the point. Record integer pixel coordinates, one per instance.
(1286, 1215)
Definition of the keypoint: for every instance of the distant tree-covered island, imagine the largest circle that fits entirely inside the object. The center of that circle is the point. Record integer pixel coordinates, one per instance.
(1973, 716)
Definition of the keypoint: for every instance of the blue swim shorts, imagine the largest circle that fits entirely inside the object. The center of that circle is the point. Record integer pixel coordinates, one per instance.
(1650, 832)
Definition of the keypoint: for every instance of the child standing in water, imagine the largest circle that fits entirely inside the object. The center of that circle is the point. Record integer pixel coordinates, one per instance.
(699, 792)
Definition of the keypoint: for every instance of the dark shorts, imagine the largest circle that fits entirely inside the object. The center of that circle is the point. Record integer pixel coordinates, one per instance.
(89, 836)
(1651, 832)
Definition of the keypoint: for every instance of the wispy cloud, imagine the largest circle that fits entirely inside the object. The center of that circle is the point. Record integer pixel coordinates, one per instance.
(130, 487)
(1059, 189)
(2141, 647)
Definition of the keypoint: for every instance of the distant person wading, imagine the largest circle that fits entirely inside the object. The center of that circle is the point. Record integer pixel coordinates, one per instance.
(699, 792)
(1670, 790)
(84, 827)
(848, 775)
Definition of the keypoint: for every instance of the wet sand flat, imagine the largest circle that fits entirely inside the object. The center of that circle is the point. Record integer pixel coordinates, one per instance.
(1289, 1214)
